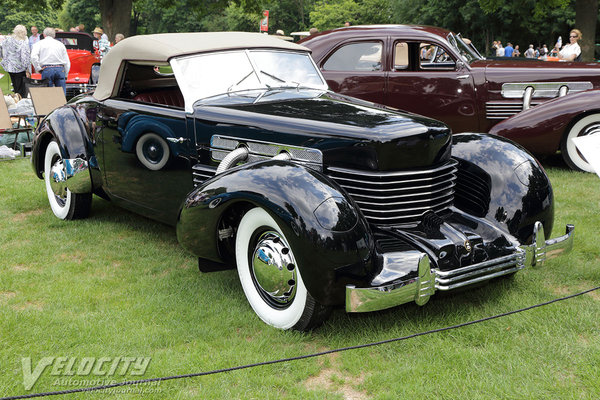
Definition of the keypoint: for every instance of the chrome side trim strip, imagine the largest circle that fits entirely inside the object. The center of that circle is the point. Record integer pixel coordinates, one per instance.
(516, 90)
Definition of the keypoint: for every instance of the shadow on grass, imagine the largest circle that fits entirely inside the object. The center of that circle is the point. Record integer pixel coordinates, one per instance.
(442, 309)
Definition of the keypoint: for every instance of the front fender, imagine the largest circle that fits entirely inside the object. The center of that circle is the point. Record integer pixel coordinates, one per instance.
(499, 180)
(330, 238)
(66, 128)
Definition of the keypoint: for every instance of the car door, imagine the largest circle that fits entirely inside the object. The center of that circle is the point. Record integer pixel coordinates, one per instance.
(146, 156)
(356, 68)
(426, 78)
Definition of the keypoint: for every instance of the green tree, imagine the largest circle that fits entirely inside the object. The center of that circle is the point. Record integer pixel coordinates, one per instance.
(333, 14)
(485, 20)
(75, 12)
(16, 12)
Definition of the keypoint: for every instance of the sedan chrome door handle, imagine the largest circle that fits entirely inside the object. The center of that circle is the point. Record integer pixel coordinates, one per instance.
(462, 76)
(176, 140)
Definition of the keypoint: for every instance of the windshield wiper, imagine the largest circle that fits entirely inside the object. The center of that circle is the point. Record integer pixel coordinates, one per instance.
(288, 84)
(241, 80)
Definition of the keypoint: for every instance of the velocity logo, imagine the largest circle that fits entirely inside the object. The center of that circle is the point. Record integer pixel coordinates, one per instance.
(104, 367)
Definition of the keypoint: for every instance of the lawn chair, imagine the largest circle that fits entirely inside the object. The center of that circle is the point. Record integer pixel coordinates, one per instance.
(46, 99)
(7, 125)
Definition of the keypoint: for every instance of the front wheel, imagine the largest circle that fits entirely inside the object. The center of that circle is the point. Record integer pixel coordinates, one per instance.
(270, 276)
(64, 203)
(589, 125)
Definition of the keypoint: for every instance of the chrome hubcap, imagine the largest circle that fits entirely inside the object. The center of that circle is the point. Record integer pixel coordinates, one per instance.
(274, 269)
(58, 180)
(153, 151)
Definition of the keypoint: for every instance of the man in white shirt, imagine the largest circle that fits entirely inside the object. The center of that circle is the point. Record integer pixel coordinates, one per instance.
(49, 56)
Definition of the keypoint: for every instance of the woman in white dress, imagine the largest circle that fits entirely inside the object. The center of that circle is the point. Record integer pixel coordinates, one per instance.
(572, 50)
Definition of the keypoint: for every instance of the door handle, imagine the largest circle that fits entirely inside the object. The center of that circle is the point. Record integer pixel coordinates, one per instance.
(462, 76)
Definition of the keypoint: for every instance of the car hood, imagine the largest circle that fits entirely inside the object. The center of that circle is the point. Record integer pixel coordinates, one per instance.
(349, 132)
(523, 70)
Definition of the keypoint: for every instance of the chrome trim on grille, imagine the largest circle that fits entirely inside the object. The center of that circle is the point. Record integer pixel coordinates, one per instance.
(202, 173)
(505, 109)
(399, 197)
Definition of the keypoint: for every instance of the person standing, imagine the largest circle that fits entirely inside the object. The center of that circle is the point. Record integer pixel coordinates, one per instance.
(35, 37)
(508, 50)
(119, 37)
(499, 49)
(50, 57)
(571, 51)
(517, 52)
(103, 43)
(530, 52)
(15, 58)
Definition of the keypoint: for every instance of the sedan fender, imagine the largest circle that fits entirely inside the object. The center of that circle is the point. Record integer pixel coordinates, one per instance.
(541, 128)
(333, 244)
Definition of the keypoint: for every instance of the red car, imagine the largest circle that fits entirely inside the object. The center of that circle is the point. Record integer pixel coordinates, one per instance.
(82, 49)
(436, 73)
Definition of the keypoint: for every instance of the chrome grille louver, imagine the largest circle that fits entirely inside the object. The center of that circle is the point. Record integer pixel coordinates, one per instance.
(400, 197)
(505, 109)
(202, 173)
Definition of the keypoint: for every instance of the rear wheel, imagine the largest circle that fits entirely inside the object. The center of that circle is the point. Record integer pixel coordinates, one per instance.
(64, 204)
(270, 277)
(586, 126)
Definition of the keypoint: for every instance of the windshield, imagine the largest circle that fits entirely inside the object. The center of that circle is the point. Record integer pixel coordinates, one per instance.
(465, 48)
(207, 75)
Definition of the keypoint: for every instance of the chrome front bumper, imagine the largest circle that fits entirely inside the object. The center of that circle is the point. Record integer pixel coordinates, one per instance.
(429, 279)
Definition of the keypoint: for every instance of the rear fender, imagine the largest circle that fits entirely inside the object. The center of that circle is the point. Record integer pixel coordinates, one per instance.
(330, 238)
(64, 126)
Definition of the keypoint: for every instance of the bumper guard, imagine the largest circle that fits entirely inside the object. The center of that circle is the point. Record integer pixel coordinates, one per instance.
(429, 279)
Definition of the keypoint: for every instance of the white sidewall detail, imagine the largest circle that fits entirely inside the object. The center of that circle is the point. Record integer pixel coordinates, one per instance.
(139, 151)
(279, 318)
(570, 145)
(58, 210)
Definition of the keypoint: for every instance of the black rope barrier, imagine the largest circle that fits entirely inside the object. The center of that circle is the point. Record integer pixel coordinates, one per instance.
(282, 360)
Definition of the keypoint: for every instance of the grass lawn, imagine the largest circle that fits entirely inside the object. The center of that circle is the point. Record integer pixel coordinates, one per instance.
(118, 285)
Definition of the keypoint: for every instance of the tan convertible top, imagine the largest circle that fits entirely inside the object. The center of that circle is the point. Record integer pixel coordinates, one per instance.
(163, 46)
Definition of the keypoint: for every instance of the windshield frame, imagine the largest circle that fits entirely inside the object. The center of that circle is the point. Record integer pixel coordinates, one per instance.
(460, 47)
(193, 96)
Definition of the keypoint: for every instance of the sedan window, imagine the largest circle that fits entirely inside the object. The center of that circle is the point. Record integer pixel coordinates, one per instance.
(361, 56)
(401, 56)
(432, 56)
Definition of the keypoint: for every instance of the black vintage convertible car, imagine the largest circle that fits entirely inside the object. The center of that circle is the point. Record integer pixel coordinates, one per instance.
(316, 198)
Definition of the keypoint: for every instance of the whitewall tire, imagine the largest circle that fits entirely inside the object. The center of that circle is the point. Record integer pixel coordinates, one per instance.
(152, 151)
(64, 204)
(589, 125)
(270, 278)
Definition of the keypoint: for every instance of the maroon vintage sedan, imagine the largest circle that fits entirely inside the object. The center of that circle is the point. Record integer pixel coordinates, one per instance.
(434, 72)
